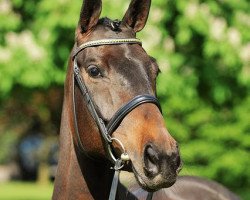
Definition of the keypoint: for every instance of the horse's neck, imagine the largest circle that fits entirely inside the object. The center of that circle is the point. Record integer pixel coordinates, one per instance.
(77, 176)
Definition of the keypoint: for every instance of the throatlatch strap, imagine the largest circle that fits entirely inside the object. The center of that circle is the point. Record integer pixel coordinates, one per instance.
(114, 185)
(150, 196)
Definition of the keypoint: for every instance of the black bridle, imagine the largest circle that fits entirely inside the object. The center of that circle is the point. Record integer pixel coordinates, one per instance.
(107, 130)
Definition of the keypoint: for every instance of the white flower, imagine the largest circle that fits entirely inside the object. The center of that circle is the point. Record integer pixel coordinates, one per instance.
(234, 36)
(245, 53)
(5, 55)
(164, 64)
(25, 40)
(156, 15)
(217, 28)
(5, 6)
(191, 10)
(169, 45)
(153, 37)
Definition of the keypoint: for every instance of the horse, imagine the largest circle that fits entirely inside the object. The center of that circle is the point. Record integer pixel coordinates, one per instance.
(111, 118)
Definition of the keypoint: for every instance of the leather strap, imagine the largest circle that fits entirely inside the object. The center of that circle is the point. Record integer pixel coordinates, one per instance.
(94, 43)
(90, 103)
(132, 104)
(150, 196)
(114, 185)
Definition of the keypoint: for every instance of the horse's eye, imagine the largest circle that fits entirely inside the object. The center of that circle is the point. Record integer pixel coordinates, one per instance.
(94, 71)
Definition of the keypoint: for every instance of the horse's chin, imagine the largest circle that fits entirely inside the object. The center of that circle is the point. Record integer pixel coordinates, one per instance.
(128, 167)
(152, 185)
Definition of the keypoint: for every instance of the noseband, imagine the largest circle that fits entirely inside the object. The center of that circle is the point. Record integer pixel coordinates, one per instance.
(107, 130)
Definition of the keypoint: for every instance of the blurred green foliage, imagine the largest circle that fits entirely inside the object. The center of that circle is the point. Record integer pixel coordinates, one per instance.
(202, 47)
(207, 86)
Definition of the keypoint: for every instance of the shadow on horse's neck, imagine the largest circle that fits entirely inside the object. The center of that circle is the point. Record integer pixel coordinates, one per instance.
(78, 177)
(97, 176)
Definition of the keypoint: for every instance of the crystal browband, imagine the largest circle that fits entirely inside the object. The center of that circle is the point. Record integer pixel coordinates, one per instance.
(105, 42)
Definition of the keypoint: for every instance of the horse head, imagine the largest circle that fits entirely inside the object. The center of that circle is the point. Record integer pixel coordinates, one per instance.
(115, 70)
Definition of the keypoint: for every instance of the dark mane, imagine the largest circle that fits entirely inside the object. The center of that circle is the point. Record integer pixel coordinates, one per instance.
(112, 24)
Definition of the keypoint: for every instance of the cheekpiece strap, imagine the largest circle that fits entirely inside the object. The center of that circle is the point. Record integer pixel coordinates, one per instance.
(104, 42)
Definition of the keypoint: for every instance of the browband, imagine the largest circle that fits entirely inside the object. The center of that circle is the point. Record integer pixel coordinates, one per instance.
(104, 42)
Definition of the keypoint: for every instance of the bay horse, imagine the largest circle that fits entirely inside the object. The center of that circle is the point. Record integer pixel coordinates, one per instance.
(111, 118)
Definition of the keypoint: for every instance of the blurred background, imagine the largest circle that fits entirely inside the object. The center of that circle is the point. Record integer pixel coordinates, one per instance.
(203, 50)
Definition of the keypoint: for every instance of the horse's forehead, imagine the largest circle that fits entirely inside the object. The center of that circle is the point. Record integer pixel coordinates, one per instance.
(132, 63)
(122, 56)
(129, 62)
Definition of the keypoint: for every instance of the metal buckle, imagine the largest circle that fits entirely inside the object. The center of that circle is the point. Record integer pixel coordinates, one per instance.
(124, 156)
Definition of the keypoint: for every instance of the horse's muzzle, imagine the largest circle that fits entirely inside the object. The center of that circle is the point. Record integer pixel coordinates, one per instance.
(160, 168)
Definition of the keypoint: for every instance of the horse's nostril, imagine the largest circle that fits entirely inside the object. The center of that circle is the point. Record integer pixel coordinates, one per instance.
(151, 154)
(151, 160)
(159, 162)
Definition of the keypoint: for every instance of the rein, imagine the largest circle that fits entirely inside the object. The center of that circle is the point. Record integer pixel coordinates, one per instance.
(107, 130)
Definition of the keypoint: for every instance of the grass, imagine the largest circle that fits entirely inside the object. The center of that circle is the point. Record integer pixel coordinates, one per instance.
(25, 191)
(35, 191)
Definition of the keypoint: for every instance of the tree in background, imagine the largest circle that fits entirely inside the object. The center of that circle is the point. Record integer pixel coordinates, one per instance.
(205, 86)
(202, 47)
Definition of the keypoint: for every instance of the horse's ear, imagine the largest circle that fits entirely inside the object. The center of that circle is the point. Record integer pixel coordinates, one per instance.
(89, 16)
(137, 14)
